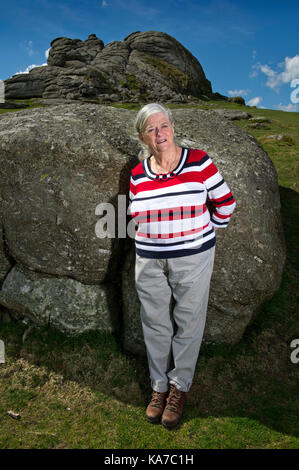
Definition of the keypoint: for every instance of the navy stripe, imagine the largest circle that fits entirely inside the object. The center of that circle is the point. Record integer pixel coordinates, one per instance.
(218, 223)
(175, 243)
(137, 177)
(216, 185)
(215, 203)
(176, 253)
(152, 176)
(168, 215)
(198, 162)
(169, 194)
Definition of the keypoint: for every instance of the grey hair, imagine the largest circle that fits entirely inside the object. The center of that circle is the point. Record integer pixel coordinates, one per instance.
(146, 112)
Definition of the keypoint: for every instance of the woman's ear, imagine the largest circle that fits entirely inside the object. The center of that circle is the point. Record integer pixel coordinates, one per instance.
(140, 137)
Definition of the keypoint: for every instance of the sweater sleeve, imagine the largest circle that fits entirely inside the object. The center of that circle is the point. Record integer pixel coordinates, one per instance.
(219, 194)
(132, 192)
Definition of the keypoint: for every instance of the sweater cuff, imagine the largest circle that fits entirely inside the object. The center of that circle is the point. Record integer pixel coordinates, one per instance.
(219, 225)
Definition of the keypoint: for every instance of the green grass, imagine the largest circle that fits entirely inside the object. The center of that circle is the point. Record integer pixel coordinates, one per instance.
(85, 392)
(31, 103)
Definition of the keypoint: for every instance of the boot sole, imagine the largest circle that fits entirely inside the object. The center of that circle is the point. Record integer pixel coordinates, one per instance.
(154, 420)
(170, 425)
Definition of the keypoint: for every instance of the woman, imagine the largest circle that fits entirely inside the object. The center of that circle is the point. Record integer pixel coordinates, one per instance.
(175, 245)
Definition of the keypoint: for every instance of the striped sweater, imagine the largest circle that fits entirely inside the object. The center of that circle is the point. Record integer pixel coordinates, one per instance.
(170, 210)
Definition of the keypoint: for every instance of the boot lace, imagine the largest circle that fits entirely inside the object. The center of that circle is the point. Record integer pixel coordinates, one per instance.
(157, 399)
(173, 401)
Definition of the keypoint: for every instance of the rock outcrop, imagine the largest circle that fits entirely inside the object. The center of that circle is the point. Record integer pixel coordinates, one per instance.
(146, 66)
(59, 164)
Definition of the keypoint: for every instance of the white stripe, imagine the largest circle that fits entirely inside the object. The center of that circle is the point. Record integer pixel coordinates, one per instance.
(183, 159)
(140, 180)
(205, 164)
(184, 246)
(172, 226)
(213, 180)
(219, 192)
(225, 210)
(169, 201)
(166, 241)
(180, 187)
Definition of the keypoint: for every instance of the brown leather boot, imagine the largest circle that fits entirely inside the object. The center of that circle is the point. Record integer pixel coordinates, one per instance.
(156, 406)
(174, 407)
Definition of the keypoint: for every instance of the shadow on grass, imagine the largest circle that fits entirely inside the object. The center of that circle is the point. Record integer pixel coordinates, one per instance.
(253, 380)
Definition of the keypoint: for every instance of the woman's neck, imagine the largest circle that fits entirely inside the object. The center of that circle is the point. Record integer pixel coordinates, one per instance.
(166, 160)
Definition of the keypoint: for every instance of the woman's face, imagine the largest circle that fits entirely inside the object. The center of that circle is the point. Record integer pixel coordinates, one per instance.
(158, 133)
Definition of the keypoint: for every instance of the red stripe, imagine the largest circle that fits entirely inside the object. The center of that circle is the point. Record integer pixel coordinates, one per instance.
(152, 217)
(209, 171)
(169, 210)
(190, 177)
(219, 199)
(221, 216)
(196, 155)
(138, 170)
(224, 204)
(133, 189)
(171, 235)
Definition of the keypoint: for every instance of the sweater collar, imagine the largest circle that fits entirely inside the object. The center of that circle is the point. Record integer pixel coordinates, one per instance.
(165, 176)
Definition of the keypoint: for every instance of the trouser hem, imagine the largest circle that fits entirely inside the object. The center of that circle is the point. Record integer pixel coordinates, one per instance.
(160, 390)
(180, 387)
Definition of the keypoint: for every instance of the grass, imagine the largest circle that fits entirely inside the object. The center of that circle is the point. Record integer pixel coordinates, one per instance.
(86, 392)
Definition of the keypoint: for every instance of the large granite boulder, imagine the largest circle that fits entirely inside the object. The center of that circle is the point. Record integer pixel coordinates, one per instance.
(66, 52)
(180, 69)
(57, 166)
(60, 164)
(63, 303)
(145, 66)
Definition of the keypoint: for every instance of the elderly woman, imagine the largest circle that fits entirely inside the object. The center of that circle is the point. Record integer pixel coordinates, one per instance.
(175, 245)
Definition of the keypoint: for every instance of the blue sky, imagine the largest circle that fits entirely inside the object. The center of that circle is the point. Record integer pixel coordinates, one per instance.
(248, 48)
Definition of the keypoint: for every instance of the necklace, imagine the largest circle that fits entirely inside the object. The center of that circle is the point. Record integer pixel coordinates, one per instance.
(171, 166)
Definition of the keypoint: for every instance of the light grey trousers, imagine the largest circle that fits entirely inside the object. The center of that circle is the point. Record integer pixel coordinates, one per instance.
(187, 278)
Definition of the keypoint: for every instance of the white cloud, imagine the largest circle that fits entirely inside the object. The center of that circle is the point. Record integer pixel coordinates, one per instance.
(104, 3)
(276, 79)
(290, 107)
(28, 47)
(238, 92)
(47, 53)
(32, 66)
(254, 101)
(291, 69)
(255, 70)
